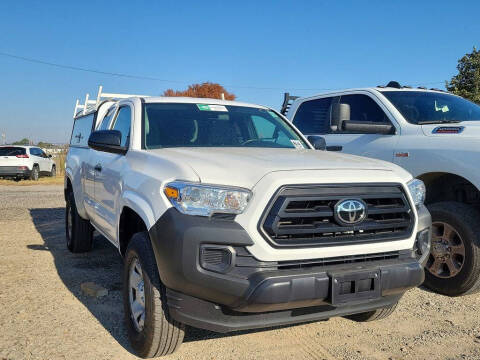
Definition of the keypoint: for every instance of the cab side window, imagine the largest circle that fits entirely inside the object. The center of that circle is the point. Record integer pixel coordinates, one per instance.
(82, 128)
(122, 123)
(312, 116)
(327, 115)
(364, 108)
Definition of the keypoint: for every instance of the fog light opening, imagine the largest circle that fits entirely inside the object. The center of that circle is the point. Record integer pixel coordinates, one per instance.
(217, 258)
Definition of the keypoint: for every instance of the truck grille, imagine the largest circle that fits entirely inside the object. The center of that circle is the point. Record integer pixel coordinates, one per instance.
(304, 215)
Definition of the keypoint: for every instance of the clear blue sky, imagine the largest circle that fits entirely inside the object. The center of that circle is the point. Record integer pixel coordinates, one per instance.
(283, 45)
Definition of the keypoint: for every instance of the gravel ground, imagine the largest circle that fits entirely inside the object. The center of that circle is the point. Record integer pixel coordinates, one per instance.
(44, 315)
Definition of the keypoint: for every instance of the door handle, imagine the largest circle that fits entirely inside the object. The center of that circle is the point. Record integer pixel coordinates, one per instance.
(98, 167)
(334, 148)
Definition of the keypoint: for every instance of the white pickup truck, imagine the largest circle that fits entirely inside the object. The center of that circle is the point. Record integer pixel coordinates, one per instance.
(228, 219)
(432, 134)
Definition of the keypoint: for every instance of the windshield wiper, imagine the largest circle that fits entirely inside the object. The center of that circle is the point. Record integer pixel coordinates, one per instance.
(438, 122)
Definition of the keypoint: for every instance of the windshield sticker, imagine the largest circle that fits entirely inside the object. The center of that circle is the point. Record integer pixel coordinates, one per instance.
(443, 108)
(298, 144)
(205, 107)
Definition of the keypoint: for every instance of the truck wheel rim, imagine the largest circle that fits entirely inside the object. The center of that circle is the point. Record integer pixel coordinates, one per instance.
(447, 254)
(136, 293)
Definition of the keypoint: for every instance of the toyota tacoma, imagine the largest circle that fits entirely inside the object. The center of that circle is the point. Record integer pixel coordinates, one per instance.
(228, 218)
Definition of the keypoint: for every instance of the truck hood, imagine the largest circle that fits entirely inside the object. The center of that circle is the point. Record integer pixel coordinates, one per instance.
(244, 167)
(463, 129)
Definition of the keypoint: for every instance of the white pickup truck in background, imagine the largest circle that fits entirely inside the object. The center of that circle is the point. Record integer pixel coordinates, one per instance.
(434, 135)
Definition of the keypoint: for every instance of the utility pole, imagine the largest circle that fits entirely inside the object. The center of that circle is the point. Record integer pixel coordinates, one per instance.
(4, 138)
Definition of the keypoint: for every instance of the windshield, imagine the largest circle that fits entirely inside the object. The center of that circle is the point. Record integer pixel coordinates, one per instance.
(12, 151)
(422, 106)
(203, 125)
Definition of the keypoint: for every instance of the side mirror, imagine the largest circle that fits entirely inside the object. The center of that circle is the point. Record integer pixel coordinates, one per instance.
(108, 141)
(339, 113)
(367, 127)
(317, 142)
(49, 156)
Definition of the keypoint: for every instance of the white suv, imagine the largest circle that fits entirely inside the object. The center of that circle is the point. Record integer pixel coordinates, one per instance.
(228, 219)
(432, 134)
(25, 162)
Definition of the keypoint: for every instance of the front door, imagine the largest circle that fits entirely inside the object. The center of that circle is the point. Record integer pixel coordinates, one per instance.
(109, 168)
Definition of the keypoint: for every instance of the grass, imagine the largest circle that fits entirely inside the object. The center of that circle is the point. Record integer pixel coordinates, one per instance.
(42, 181)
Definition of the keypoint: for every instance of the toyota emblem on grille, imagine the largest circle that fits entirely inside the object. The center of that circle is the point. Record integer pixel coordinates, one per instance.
(350, 211)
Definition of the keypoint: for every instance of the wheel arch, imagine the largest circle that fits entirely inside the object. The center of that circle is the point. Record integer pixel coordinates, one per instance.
(130, 222)
(67, 188)
(446, 186)
(133, 208)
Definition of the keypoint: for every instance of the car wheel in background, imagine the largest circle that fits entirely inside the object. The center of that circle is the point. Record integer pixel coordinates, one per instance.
(53, 173)
(79, 232)
(35, 173)
(151, 330)
(453, 267)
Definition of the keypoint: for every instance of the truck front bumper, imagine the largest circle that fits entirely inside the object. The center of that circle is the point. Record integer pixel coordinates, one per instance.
(214, 283)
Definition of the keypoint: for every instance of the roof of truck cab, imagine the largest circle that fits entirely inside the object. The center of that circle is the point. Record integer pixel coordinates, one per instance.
(376, 88)
(189, 100)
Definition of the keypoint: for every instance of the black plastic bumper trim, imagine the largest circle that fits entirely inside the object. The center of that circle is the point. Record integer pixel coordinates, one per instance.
(177, 240)
(209, 316)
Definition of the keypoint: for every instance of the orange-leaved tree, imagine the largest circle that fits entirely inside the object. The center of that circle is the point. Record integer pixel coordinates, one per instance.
(204, 90)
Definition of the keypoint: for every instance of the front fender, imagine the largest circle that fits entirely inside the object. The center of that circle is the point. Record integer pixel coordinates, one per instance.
(140, 205)
(457, 161)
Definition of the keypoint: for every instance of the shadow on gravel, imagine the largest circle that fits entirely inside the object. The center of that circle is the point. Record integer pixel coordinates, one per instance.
(102, 266)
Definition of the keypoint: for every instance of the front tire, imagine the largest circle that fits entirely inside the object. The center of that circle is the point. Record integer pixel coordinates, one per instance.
(79, 232)
(53, 172)
(453, 267)
(151, 330)
(374, 315)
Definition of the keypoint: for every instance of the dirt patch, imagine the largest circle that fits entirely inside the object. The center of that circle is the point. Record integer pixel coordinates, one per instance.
(45, 315)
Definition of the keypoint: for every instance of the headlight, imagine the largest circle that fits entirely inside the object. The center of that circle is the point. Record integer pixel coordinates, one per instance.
(417, 191)
(205, 200)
